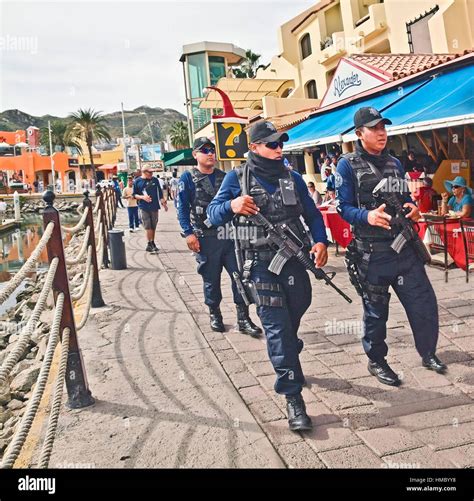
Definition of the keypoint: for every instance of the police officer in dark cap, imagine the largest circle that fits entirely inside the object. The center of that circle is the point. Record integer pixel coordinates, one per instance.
(374, 266)
(264, 184)
(213, 246)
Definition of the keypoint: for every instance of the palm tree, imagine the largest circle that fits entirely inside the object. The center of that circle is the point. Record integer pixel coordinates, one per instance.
(179, 135)
(249, 66)
(89, 126)
(60, 136)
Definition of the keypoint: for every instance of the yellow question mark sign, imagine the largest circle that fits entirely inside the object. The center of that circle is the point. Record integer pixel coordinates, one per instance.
(236, 131)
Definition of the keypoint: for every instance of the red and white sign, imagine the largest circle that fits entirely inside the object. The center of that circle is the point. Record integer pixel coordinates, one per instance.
(350, 79)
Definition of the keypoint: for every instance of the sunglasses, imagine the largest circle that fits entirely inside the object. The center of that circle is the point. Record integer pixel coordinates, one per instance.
(456, 186)
(207, 150)
(274, 145)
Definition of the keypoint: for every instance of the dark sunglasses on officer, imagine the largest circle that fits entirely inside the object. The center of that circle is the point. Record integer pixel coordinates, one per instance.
(207, 150)
(273, 145)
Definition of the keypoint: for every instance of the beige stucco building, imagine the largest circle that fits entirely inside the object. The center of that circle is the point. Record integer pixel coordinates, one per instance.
(312, 43)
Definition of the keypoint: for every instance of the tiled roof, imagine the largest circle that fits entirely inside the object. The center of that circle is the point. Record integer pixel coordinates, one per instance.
(398, 66)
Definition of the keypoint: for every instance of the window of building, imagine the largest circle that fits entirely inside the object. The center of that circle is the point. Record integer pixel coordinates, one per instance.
(305, 44)
(311, 90)
(216, 68)
(419, 39)
(197, 74)
(198, 80)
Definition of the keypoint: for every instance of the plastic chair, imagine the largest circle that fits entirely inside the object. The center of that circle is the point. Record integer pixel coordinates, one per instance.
(467, 230)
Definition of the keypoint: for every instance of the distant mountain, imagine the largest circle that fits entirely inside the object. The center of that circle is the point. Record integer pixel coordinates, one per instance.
(135, 121)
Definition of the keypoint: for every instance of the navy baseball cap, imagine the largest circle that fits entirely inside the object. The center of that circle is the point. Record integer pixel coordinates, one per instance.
(369, 117)
(266, 132)
(200, 142)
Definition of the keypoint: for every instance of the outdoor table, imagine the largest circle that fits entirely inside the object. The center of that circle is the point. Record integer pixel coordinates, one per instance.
(455, 242)
(340, 230)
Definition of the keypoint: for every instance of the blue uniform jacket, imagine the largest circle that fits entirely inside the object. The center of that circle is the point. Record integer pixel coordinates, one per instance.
(220, 213)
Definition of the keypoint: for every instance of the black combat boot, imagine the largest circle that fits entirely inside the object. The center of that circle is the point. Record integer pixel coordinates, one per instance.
(298, 420)
(384, 373)
(245, 324)
(217, 323)
(432, 362)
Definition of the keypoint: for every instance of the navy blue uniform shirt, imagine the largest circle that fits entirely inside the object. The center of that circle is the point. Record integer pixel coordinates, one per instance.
(153, 189)
(187, 191)
(220, 213)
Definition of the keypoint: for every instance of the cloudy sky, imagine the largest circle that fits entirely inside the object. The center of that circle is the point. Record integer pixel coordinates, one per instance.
(56, 57)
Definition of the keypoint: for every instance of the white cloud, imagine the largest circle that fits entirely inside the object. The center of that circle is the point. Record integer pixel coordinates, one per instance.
(87, 53)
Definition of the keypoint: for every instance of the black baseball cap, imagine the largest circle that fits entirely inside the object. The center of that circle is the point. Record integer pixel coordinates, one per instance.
(266, 132)
(369, 117)
(200, 142)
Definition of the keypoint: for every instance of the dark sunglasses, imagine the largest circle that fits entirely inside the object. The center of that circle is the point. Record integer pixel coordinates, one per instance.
(456, 186)
(207, 150)
(274, 145)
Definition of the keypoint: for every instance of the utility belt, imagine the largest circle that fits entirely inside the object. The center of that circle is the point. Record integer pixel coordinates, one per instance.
(363, 246)
(258, 255)
(206, 232)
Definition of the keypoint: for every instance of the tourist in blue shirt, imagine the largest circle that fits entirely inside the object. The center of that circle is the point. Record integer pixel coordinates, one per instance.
(461, 201)
(118, 191)
(147, 190)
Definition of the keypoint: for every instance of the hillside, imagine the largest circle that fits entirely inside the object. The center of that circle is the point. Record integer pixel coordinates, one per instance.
(136, 125)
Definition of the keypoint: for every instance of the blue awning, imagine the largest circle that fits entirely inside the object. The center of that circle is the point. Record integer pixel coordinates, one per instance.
(446, 101)
(431, 100)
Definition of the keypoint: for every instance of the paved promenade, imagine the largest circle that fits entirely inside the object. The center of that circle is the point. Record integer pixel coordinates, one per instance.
(171, 393)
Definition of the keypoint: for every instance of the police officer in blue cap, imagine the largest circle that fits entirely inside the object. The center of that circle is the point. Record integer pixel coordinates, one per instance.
(374, 266)
(213, 245)
(264, 184)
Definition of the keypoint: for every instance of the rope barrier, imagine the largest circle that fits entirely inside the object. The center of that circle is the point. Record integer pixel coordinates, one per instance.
(82, 290)
(96, 207)
(29, 265)
(27, 331)
(47, 448)
(79, 225)
(82, 251)
(87, 310)
(22, 431)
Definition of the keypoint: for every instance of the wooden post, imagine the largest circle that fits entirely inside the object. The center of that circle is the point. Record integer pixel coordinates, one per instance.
(78, 391)
(105, 229)
(97, 300)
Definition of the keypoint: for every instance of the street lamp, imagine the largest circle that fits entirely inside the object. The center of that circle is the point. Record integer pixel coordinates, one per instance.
(51, 155)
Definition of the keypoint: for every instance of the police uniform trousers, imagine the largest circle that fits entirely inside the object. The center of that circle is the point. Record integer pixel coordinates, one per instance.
(284, 300)
(406, 274)
(216, 254)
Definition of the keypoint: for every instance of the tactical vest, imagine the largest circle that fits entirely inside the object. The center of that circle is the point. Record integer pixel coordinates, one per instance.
(204, 193)
(366, 181)
(272, 206)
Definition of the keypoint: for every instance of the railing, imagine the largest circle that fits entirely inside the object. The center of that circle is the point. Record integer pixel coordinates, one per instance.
(65, 324)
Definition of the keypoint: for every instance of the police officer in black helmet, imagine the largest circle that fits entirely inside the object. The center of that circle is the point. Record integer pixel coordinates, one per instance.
(213, 246)
(373, 264)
